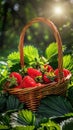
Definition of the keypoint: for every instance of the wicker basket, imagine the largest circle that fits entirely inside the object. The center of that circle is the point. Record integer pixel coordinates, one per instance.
(32, 96)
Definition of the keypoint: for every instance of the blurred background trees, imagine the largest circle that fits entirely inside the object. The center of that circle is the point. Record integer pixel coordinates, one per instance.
(15, 14)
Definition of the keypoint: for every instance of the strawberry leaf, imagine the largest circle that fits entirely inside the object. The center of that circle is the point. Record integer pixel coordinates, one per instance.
(54, 106)
(67, 124)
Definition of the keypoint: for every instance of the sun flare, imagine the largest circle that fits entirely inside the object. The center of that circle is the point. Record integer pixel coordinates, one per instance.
(58, 10)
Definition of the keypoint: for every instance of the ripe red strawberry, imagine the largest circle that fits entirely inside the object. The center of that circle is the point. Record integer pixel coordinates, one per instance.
(48, 68)
(28, 82)
(11, 82)
(66, 72)
(46, 79)
(34, 73)
(17, 76)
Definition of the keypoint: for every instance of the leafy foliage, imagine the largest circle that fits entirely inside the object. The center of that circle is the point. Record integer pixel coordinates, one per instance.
(22, 118)
(3, 127)
(67, 124)
(59, 119)
(9, 102)
(13, 58)
(70, 95)
(5, 120)
(27, 116)
(68, 62)
(2, 102)
(15, 68)
(30, 57)
(13, 103)
(54, 106)
(49, 125)
(30, 53)
(3, 73)
(52, 109)
(24, 128)
(51, 51)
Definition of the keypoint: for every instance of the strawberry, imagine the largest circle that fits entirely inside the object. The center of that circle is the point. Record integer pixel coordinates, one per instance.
(48, 77)
(66, 72)
(17, 76)
(11, 82)
(28, 82)
(48, 68)
(34, 73)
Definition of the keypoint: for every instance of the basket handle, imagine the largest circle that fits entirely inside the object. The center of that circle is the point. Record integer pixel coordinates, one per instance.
(57, 37)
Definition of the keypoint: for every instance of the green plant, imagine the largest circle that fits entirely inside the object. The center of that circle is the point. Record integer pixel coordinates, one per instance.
(51, 53)
(27, 116)
(13, 103)
(4, 121)
(9, 102)
(3, 127)
(24, 128)
(2, 102)
(70, 95)
(3, 73)
(49, 125)
(68, 62)
(67, 124)
(52, 106)
(53, 112)
(23, 118)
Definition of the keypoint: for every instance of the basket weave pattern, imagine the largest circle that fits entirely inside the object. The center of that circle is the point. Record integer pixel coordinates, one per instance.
(32, 96)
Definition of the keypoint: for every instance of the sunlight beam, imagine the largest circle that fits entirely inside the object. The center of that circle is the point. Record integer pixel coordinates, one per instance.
(58, 10)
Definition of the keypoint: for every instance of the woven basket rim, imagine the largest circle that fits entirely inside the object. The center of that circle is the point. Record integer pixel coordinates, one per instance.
(37, 87)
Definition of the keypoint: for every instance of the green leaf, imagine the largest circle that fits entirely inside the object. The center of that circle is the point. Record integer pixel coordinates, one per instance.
(13, 58)
(13, 103)
(60, 119)
(23, 117)
(68, 62)
(51, 50)
(70, 95)
(54, 106)
(3, 127)
(15, 120)
(67, 124)
(24, 128)
(3, 73)
(13, 61)
(4, 119)
(15, 68)
(27, 116)
(69, 115)
(50, 125)
(51, 53)
(30, 53)
(2, 102)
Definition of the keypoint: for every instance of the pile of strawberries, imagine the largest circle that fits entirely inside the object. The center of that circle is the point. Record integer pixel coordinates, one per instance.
(34, 77)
